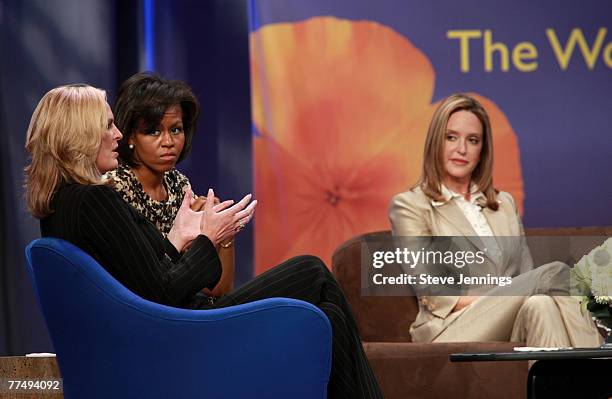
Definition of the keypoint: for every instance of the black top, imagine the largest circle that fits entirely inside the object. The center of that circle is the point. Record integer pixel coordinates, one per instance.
(129, 247)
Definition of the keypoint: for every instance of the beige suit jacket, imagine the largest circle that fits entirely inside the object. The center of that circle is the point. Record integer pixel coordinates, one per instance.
(412, 213)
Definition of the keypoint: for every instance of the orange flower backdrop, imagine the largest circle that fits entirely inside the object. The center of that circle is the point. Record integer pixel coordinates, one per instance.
(341, 110)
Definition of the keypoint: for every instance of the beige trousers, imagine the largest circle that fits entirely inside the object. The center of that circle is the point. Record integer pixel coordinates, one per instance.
(547, 318)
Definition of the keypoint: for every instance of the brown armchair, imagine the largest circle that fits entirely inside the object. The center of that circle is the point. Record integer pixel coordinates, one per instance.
(418, 370)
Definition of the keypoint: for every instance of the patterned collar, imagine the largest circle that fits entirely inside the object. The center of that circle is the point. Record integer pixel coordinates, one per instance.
(160, 213)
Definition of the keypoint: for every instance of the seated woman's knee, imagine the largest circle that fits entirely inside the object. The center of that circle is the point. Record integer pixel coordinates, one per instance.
(553, 278)
(555, 267)
(309, 261)
(538, 304)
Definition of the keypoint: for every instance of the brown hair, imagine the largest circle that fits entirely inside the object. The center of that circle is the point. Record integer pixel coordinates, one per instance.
(143, 99)
(433, 168)
(63, 140)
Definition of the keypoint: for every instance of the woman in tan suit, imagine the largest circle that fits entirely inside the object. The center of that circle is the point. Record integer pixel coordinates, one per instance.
(455, 196)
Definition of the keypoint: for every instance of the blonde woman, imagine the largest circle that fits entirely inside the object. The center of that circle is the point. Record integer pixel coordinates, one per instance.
(72, 140)
(455, 196)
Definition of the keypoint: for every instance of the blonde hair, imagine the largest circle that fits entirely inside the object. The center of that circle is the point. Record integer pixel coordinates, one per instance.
(63, 140)
(433, 164)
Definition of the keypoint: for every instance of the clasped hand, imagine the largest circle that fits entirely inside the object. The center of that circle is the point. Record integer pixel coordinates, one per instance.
(219, 221)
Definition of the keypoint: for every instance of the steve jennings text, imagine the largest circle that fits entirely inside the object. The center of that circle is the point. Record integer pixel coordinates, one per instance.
(426, 279)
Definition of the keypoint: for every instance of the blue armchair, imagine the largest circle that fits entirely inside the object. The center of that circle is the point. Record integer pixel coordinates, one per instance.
(111, 343)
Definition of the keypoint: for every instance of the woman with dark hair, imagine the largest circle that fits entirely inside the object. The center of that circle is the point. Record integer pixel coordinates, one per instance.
(72, 141)
(158, 120)
(455, 196)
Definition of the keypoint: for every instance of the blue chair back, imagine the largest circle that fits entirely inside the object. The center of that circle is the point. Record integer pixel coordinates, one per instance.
(112, 343)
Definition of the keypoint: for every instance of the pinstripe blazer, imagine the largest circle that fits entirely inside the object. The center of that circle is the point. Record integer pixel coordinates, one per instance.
(412, 214)
(129, 247)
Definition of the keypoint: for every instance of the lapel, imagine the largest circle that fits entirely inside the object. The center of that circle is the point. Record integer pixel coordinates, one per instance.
(451, 212)
(453, 215)
(498, 221)
(502, 227)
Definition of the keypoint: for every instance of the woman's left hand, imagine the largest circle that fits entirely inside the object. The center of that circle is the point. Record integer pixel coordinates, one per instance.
(223, 221)
(197, 205)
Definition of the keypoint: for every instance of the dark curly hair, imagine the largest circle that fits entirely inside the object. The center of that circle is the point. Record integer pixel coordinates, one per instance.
(143, 99)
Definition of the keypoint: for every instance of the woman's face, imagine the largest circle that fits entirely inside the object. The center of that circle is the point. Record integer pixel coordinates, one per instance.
(106, 159)
(159, 150)
(462, 146)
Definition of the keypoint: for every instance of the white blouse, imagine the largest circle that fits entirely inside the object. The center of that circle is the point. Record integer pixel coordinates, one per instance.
(473, 213)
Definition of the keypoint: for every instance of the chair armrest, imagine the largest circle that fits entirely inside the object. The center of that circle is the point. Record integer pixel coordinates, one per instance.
(112, 343)
(379, 318)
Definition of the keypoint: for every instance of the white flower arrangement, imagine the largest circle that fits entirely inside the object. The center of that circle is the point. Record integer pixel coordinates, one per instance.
(591, 279)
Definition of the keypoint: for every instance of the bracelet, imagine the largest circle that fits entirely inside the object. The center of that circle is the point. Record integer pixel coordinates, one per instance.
(227, 244)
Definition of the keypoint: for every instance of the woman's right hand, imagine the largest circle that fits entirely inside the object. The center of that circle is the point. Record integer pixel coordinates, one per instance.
(186, 225)
(224, 220)
(198, 203)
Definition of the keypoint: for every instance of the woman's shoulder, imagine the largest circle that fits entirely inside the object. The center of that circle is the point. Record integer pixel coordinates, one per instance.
(176, 176)
(177, 181)
(70, 205)
(95, 190)
(505, 199)
(75, 195)
(415, 197)
(504, 195)
(123, 179)
(78, 189)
